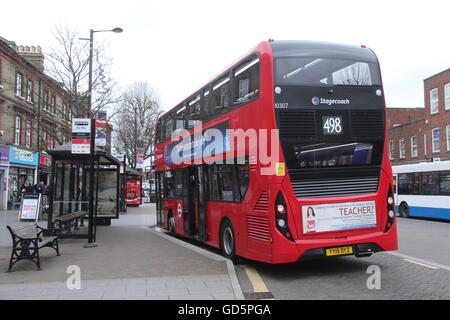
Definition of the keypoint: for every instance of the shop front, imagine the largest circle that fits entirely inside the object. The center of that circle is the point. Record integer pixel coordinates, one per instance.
(4, 170)
(23, 164)
(45, 168)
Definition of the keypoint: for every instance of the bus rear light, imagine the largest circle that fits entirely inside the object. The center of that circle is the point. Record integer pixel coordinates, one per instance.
(281, 217)
(390, 210)
(281, 208)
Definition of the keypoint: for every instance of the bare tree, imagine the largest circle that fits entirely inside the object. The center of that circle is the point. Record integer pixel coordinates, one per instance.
(68, 63)
(135, 121)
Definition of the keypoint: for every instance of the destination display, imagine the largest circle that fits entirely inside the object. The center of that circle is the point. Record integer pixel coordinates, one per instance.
(339, 216)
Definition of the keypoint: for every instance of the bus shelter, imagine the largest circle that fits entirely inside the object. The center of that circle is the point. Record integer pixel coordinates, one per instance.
(133, 187)
(69, 191)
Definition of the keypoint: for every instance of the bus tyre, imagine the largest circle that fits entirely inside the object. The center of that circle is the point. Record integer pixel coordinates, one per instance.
(227, 242)
(404, 210)
(171, 223)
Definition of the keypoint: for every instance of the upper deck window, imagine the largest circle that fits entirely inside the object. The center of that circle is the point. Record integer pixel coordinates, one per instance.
(315, 71)
(246, 81)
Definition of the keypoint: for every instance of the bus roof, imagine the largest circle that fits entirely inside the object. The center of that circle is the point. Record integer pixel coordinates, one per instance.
(422, 167)
(319, 49)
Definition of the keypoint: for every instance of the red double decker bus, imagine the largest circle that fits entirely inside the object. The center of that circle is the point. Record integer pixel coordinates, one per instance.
(324, 187)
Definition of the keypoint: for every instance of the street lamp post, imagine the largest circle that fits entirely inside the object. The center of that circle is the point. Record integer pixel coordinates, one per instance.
(91, 237)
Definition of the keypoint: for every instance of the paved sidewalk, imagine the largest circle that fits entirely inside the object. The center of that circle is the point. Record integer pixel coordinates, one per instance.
(132, 261)
(194, 287)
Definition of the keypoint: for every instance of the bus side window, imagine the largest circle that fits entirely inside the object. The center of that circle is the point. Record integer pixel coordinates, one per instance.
(158, 131)
(404, 183)
(169, 184)
(243, 177)
(220, 96)
(168, 129)
(180, 123)
(445, 183)
(430, 183)
(194, 112)
(206, 112)
(246, 81)
(179, 183)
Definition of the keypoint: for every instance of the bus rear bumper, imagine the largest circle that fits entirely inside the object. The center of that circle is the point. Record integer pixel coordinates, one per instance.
(362, 246)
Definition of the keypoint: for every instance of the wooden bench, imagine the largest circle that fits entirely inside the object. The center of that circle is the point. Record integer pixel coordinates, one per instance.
(28, 240)
(68, 218)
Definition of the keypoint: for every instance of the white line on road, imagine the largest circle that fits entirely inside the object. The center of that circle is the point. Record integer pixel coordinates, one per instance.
(431, 263)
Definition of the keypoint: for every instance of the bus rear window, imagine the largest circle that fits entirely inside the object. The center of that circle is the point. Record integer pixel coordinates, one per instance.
(325, 72)
(324, 155)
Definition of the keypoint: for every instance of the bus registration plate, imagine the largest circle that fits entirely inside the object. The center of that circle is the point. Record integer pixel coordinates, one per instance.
(338, 251)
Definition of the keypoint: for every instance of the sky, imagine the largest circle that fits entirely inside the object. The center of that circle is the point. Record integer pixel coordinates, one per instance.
(177, 46)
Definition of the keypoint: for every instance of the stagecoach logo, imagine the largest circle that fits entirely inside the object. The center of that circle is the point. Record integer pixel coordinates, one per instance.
(316, 101)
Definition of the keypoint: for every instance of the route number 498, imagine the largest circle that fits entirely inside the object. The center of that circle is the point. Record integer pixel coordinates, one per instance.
(332, 125)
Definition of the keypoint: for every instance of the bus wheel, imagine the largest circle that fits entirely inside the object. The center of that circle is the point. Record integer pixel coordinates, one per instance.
(404, 210)
(171, 223)
(227, 242)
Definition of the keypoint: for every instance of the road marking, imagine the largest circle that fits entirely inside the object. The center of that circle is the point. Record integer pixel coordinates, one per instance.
(422, 264)
(255, 279)
(426, 262)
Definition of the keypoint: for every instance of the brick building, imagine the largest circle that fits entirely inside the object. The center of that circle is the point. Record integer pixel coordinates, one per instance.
(423, 134)
(34, 117)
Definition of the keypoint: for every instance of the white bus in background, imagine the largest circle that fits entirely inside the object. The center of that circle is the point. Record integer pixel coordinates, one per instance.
(423, 189)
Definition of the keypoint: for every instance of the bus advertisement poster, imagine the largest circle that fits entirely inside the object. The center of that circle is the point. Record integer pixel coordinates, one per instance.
(214, 140)
(339, 216)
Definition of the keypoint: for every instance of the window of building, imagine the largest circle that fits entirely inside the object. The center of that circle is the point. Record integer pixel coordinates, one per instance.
(401, 148)
(17, 130)
(391, 149)
(414, 146)
(30, 91)
(53, 105)
(447, 96)
(28, 133)
(46, 100)
(65, 115)
(19, 84)
(434, 101)
(435, 140)
(246, 81)
(448, 137)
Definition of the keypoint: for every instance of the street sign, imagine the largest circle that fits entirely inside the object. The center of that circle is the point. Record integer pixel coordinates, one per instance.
(140, 158)
(81, 136)
(100, 129)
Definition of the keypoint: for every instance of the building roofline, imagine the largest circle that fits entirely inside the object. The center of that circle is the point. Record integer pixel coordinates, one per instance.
(448, 69)
(6, 44)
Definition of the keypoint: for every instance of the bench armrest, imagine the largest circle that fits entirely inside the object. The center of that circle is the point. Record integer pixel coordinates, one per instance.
(47, 232)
